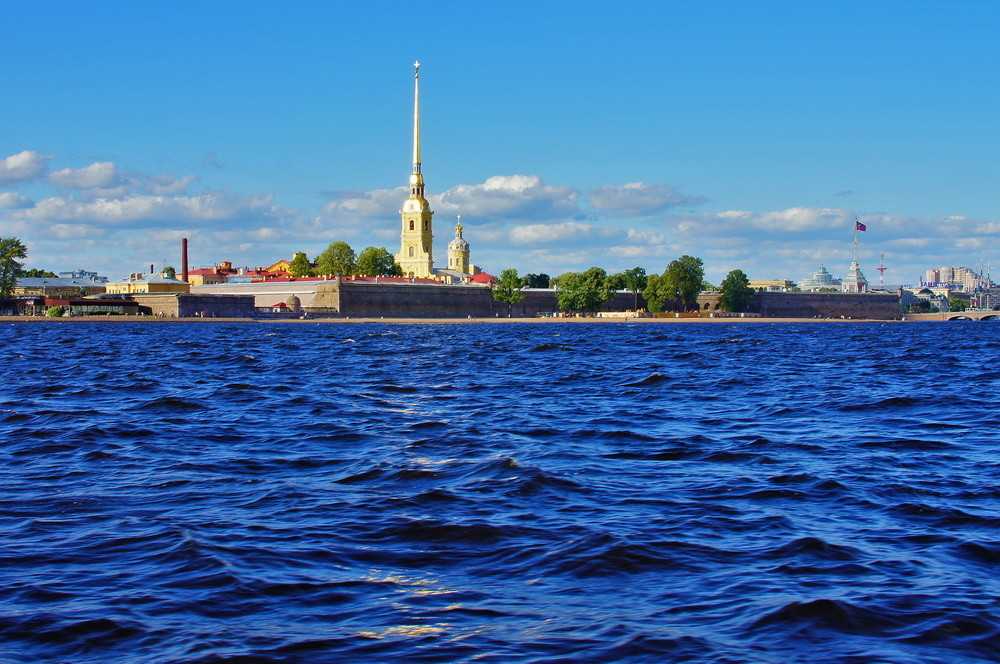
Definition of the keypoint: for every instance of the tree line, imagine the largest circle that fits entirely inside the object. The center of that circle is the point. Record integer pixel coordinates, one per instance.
(675, 289)
(339, 259)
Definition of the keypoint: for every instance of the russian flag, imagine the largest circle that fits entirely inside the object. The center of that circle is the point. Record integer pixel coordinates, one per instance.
(858, 226)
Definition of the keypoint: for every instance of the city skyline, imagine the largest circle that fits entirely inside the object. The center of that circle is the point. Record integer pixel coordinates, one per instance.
(627, 153)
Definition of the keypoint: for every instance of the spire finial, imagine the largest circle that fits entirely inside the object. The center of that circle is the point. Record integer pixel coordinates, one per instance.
(458, 227)
(416, 117)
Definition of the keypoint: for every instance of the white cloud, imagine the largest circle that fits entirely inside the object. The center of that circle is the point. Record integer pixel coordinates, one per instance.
(513, 197)
(969, 243)
(208, 207)
(25, 165)
(367, 205)
(799, 219)
(501, 197)
(638, 199)
(73, 231)
(101, 174)
(11, 201)
(991, 228)
(535, 233)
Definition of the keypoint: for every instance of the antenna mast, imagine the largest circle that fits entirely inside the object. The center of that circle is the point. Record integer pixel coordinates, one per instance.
(881, 271)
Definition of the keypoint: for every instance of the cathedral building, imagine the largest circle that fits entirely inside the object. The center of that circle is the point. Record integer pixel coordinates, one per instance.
(416, 242)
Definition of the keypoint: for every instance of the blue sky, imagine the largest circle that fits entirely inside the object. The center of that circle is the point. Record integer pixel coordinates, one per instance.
(567, 134)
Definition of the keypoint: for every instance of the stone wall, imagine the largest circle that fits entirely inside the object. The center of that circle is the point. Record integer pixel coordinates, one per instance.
(192, 306)
(370, 300)
(879, 306)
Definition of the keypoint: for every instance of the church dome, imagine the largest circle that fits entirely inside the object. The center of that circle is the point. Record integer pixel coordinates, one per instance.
(458, 244)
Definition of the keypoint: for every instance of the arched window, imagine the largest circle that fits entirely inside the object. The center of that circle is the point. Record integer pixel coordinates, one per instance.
(411, 248)
(411, 224)
(426, 224)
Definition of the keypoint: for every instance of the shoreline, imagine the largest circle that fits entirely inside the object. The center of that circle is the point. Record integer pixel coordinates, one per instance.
(448, 321)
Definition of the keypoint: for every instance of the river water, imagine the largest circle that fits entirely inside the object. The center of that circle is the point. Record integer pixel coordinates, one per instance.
(550, 492)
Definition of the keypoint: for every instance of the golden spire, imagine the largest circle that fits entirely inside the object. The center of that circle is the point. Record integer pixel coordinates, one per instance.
(416, 117)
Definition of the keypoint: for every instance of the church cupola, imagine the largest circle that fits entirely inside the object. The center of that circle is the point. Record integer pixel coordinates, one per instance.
(458, 250)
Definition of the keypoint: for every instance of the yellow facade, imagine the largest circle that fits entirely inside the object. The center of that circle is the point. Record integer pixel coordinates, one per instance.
(416, 242)
(146, 287)
(281, 266)
(458, 251)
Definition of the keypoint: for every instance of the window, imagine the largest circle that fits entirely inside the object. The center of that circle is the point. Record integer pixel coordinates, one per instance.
(411, 226)
(411, 248)
(426, 224)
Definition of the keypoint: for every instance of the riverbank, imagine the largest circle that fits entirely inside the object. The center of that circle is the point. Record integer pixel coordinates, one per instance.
(434, 321)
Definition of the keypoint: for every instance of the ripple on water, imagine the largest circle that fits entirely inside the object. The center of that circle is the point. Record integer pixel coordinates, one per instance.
(540, 492)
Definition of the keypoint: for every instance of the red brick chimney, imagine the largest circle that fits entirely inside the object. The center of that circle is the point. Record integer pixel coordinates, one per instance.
(184, 259)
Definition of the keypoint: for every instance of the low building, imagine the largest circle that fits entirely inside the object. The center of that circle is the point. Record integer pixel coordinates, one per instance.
(772, 285)
(58, 287)
(139, 284)
(22, 305)
(94, 306)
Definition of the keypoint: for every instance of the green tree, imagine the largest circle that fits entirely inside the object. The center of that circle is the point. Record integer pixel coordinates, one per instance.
(736, 292)
(532, 280)
(300, 267)
(338, 258)
(635, 281)
(615, 281)
(682, 280)
(556, 282)
(377, 262)
(169, 272)
(55, 312)
(583, 291)
(656, 295)
(36, 273)
(956, 304)
(708, 286)
(12, 251)
(508, 288)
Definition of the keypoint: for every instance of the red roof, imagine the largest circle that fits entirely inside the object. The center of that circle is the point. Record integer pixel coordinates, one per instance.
(483, 278)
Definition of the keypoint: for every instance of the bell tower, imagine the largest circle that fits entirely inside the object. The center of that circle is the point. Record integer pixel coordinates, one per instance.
(415, 255)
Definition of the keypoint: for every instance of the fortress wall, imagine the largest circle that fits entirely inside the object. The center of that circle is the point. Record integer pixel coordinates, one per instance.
(363, 300)
(828, 305)
(189, 306)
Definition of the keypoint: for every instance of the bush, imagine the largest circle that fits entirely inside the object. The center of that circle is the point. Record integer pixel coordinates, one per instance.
(55, 312)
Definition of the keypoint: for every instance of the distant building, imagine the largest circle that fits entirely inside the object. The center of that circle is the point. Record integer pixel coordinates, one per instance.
(855, 281)
(772, 285)
(58, 287)
(83, 275)
(820, 280)
(146, 284)
(958, 278)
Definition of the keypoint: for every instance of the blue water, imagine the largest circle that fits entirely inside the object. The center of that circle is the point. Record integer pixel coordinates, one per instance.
(707, 493)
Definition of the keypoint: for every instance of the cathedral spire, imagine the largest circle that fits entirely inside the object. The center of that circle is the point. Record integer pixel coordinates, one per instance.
(416, 117)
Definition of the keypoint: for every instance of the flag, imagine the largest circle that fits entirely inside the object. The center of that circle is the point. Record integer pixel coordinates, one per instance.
(858, 226)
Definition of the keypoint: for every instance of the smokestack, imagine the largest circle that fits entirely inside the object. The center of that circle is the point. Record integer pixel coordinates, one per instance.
(184, 259)
(151, 268)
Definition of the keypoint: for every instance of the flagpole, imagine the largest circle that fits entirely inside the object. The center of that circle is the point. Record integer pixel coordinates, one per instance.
(854, 248)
